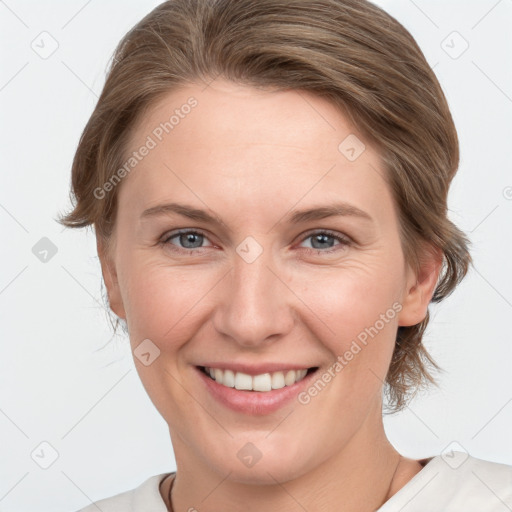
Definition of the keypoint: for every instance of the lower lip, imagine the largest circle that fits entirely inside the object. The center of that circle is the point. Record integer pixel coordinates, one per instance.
(254, 402)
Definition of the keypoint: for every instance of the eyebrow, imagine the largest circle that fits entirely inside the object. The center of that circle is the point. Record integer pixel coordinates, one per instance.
(295, 217)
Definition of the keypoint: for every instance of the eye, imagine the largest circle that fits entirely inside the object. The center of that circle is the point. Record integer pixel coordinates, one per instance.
(323, 241)
(187, 239)
(191, 240)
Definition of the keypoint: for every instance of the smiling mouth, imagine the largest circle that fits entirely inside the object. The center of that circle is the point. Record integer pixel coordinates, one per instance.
(262, 383)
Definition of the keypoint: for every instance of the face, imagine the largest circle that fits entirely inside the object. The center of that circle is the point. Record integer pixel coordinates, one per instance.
(240, 277)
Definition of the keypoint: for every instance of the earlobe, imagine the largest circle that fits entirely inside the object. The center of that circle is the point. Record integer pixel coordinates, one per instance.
(110, 278)
(420, 287)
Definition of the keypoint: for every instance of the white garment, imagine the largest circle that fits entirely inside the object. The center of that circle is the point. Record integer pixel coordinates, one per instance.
(459, 483)
(455, 483)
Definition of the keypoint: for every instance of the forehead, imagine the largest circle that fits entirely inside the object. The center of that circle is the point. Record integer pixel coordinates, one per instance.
(232, 114)
(251, 145)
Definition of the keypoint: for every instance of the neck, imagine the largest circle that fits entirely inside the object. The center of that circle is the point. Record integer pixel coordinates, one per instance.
(361, 476)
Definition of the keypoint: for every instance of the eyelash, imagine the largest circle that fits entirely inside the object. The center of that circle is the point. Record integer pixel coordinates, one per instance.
(344, 240)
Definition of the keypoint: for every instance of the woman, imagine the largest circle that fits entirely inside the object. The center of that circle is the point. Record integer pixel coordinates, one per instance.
(268, 184)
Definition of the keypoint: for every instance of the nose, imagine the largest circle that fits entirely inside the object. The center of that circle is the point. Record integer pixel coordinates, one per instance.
(256, 304)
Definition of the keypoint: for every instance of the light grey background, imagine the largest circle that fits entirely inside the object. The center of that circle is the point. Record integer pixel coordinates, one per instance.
(66, 382)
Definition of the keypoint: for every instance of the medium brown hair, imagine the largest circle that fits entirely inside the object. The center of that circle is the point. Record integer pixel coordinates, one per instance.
(350, 52)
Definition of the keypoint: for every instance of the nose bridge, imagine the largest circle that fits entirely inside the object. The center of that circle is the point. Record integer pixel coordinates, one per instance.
(256, 303)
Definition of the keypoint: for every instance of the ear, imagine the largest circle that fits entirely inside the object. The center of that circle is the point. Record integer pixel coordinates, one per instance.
(420, 287)
(109, 273)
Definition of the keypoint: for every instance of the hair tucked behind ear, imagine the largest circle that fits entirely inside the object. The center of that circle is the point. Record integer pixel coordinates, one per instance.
(350, 52)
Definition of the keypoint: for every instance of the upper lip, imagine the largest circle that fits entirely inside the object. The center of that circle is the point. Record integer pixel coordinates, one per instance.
(257, 369)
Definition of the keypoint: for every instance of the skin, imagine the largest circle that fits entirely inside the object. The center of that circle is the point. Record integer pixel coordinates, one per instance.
(251, 157)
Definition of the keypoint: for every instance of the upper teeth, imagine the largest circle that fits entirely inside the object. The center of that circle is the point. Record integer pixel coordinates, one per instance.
(262, 382)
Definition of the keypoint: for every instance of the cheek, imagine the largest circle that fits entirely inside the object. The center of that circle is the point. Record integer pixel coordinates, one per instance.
(161, 300)
(161, 305)
(359, 309)
(351, 298)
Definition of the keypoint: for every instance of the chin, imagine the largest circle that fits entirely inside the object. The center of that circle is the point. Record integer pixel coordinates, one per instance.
(260, 462)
